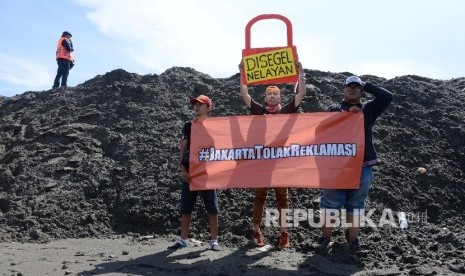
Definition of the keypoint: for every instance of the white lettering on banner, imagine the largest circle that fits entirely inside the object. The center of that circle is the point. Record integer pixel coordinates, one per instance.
(259, 152)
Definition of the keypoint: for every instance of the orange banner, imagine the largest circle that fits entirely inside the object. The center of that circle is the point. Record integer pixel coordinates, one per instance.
(305, 150)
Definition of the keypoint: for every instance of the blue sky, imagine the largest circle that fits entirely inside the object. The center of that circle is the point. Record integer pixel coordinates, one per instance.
(382, 38)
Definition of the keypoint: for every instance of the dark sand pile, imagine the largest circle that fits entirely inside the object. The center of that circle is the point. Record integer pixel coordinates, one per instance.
(101, 158)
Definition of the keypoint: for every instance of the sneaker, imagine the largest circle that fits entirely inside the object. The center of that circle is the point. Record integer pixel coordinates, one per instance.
(215, 246)
(356, 243)
(283, 240)
(179, 244)
(257, 235)
(322, 243)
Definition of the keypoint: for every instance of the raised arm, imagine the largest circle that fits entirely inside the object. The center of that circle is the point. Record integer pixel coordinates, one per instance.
(67, 44)
(243, 88)
(382, 100)
(302, 89)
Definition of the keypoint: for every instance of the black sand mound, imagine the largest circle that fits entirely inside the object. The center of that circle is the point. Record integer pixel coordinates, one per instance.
(102, 158)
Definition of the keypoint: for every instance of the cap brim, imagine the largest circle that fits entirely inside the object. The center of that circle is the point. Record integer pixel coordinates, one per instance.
(193, 101)
(359, 84)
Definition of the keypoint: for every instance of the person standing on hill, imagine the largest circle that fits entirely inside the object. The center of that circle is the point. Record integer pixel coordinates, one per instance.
(202, 107)
(272, 105)
(353, 200)
(64, 58)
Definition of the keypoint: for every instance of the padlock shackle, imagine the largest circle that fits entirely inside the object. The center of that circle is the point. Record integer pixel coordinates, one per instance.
(268, 16)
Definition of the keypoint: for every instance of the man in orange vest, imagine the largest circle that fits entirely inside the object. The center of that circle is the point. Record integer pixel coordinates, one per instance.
(65, 60)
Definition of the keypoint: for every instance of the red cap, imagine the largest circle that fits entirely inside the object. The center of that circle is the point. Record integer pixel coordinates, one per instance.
(202, 99)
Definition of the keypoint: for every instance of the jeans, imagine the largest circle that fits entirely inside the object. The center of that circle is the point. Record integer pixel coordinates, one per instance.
(62, 72)
(351, 199)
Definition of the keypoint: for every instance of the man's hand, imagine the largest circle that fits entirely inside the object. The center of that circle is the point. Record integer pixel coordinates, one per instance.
(299, 67)
(240, 66)
(355, 109)
(185, 176)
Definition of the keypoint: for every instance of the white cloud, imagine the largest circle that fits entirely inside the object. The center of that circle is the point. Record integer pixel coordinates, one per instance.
(24, 72)
(159, 35)
(208, 35)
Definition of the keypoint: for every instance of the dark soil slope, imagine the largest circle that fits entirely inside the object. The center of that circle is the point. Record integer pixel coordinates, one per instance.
(102, 158)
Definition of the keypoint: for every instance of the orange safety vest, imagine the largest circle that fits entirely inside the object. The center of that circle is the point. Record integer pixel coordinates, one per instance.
(62, 52)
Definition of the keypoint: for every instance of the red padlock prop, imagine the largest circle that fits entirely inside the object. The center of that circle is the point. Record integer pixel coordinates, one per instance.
(269, 65)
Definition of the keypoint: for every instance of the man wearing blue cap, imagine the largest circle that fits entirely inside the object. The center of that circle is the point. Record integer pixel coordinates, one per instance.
(353, 200)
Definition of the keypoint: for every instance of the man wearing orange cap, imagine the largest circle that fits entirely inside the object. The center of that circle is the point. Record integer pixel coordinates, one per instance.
(202, 107)
(272, 105)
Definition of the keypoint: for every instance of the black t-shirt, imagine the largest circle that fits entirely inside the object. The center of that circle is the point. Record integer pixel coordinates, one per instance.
(186, 135)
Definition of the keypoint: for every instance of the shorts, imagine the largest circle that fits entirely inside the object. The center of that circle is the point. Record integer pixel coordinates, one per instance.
(351, 199)
(189, 198)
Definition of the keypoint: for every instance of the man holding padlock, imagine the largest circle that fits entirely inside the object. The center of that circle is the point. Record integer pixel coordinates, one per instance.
(272, 105)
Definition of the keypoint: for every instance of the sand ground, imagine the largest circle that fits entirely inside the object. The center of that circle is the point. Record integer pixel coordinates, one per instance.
(149, 256)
